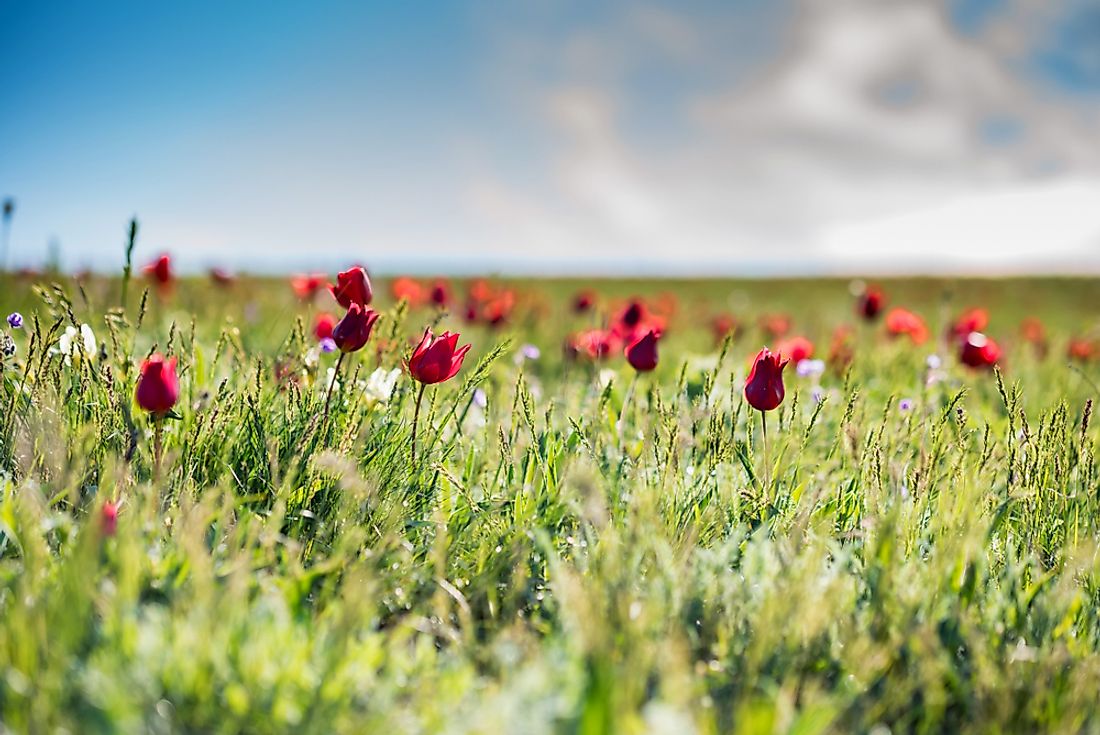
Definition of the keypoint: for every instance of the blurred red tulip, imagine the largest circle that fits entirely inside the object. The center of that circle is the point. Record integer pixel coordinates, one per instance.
(353, 287)
(160, 270)
(775, 325)
(972, 320)
(841, 350)
(108, 518)
(440, 294)
(408, 290)
(979, 351)
(723, 325)
(353, 331)
(901, 322)
(1033, 332)
(158, 388)
(584, 301)
(499, 308)
(1082, 350)
(642, 352)
(436, 359)
(323, 325)
(764, 386)
(870, 303)
(306, 286)
(796, 349)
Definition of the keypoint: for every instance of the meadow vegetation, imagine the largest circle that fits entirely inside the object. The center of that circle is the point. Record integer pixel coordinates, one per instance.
(575, 547)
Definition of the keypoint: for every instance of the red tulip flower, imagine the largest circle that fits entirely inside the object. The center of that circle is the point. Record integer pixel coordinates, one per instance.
(108, 518)
(642, 353)
(1082, 350)
(870, 303)
(160, 271)
(440, 294)
(796, 349)
(978, 351)
(1034, 333)
(901, 322)
(764, 387)
(775, 325)
(584, 301)
(158, 388)
(323, 325)
(353, 331)
(407, 289)
(973, 320)
(306, 286)
(353, 287)
(841, 350)
(594, 344)
(436, 359)
(724, 325)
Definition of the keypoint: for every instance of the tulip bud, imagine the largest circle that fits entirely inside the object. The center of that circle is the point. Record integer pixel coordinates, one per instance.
(870, 303)
(323, 325)
(352, 287)
(160, 270)
(158, 388)
(978, 351)
(764, 387)
(353, 331)
(108, 518)
(642, 353)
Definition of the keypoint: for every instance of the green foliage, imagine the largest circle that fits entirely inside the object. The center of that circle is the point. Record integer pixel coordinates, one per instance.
(590, 552)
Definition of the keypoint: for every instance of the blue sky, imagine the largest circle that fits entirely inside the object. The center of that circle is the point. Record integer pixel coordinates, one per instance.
(748, 136)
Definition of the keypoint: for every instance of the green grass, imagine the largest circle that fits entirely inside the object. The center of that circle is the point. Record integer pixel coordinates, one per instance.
(542, 568)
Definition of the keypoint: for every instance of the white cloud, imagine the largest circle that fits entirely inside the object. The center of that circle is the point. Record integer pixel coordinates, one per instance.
(870, 133)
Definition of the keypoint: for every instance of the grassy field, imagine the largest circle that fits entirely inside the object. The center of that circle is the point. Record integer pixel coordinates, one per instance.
(575, 548)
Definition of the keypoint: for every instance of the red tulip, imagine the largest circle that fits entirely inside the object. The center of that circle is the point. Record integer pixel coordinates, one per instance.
(642, 353)
(973, 320)
(979, 351)
(352, 287)
(158, 388)
(323, 325)
(1033, 332)
(160, 270)
(904, 322)
(584, 301)
(775, 325)
(870, 303)
(841, 350)
(436, 359)
(353, 331)
(407, 289)
(764, 386)
(499, 308)
(796, 349)
(440, 294)
(307, 286)
(593, 343)
(1082, 350)
(108, 518)
(723, 325)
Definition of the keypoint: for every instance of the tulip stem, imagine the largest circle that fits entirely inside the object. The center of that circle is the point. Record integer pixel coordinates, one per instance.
(416, 420)
(331, 385)
(767, 468)
(158, 445)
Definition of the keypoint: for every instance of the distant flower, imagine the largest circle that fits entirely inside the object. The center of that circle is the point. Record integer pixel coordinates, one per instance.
(870, 303)
(933, 362)
(353, 287)
(724, 325)
(352, 332)
(322, 325)
(905, 405)
(764, 385)
(15, 320)
(73, 342)
(160, 270)
(902, 322)
(380, 385)
(481, 400)
(642, 352)
(440, 294)
(530, 352)
(978, 351)
(973, 320)
(108, 518)
(306, 286)
(584, 301)
(328, 344)
(436, 358)
(795, 349)
(222, 277)
(406, 289)
(158, 388)
(809, 368)
(817, 394)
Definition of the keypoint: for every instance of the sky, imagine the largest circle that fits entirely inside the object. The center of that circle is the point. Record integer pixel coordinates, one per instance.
(744, 137)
